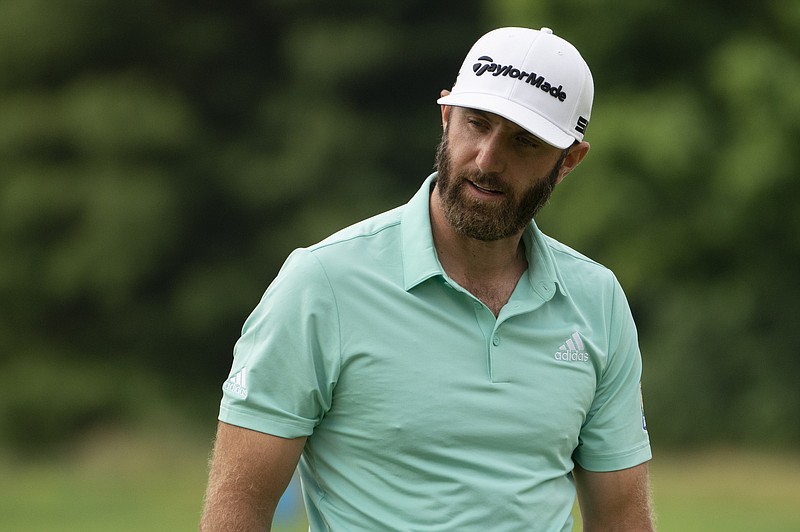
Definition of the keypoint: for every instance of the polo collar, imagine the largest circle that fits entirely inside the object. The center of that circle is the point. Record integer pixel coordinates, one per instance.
(420, 261)
(543, 273)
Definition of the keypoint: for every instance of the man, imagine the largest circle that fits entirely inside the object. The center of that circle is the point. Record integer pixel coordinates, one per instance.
(445, 365)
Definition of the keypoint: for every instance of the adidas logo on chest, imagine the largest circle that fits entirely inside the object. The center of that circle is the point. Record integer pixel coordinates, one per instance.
(573, 350)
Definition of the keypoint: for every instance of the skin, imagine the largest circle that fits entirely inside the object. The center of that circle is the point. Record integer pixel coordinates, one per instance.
(492, 145)
(250, 470)
(615, 501)
(249, 473)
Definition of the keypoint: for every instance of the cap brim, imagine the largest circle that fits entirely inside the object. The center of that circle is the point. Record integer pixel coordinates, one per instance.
(525, 118)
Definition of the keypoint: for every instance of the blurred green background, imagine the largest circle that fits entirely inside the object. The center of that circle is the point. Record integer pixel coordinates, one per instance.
(161, 158)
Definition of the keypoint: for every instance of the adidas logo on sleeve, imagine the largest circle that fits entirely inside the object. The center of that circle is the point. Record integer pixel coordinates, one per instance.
(237, 384)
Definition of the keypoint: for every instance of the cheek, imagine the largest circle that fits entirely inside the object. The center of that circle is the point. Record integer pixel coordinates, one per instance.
(460, 142)
(461, 153)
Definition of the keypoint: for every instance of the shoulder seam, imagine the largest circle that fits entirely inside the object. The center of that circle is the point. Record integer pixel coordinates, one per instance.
(336, 304)
(564, 250)
(333, 240)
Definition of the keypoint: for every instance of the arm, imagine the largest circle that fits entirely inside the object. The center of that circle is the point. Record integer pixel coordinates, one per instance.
(615, 500)
(249, 473)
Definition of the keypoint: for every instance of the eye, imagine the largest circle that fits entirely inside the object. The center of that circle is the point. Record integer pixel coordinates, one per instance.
(528, 142)
(476, 122)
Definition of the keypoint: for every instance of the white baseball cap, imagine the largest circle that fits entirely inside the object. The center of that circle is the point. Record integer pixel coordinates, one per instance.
(535, 79)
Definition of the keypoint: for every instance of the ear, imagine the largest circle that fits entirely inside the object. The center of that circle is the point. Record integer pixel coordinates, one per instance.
(445, 109)
(574, 157)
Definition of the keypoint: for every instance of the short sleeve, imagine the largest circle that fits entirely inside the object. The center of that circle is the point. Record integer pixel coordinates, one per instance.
(286, 361)
(614, 435)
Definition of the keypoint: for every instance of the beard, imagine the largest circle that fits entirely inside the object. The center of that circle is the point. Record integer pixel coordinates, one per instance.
(482, 220)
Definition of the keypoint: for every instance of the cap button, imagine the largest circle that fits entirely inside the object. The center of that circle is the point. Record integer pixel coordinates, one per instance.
(547, 30)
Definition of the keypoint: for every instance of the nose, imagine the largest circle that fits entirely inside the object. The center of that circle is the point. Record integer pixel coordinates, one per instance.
(490, 158)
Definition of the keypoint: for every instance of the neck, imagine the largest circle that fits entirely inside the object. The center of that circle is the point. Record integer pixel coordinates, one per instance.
(471, 261)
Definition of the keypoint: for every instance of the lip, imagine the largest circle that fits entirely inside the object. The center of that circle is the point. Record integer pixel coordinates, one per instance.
(484, 191)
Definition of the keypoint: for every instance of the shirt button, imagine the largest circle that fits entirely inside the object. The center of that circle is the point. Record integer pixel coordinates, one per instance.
(496, 340)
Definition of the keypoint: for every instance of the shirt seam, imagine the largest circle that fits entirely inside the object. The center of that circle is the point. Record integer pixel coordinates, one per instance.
(337, 314)
(586, 457)
(610, 349)
(228, 412)
(344, 239)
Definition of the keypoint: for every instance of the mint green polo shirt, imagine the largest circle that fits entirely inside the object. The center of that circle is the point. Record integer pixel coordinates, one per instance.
(425, 412)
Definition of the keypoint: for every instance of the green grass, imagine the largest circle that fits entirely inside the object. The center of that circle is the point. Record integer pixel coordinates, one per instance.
(727, 490)
(155, 482)
(112, 482)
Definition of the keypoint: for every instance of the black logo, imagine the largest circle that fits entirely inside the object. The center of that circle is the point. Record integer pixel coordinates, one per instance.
(581, 127)
(528, 77)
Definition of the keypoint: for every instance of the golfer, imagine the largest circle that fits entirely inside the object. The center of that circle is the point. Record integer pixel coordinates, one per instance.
(445, 365)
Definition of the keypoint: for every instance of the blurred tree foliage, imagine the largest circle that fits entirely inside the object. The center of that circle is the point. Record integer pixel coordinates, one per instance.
(161, 158)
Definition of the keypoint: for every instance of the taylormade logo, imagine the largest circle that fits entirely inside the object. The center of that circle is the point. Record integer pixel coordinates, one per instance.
(513, 72)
